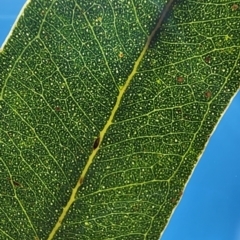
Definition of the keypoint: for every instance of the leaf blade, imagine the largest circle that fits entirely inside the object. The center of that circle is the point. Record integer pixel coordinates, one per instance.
(56, 101)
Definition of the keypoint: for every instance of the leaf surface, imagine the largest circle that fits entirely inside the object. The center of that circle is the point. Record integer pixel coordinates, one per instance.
(105, 108)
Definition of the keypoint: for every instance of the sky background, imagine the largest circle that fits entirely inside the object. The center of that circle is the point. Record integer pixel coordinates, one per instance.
(210, 206)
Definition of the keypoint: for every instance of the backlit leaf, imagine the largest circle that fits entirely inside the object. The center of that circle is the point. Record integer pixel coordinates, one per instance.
(105, 108)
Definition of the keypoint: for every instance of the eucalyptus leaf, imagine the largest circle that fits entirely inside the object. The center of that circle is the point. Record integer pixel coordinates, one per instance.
(105, 108)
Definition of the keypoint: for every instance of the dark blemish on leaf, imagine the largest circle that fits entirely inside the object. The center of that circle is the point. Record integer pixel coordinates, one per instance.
(81, 181)
(207, 59)
(57, 109)
(15, 183)
(208, 94)
(96, 142)
(234, 7)
(180, 79)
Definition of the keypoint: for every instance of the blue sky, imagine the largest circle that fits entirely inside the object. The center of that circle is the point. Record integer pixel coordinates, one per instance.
(210, 206)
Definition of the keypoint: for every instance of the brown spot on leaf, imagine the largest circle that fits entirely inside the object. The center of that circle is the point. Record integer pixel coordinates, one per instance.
(234, 7)
(15, 183)
(208, 94)
(96, 142)
(180, 79)
(207, 59)
(81, 181)
(57, 109)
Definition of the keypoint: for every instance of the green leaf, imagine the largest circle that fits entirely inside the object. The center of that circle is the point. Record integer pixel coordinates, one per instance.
(106, 107)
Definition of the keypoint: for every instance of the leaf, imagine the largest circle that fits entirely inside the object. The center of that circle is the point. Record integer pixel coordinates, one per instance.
(106, 106)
